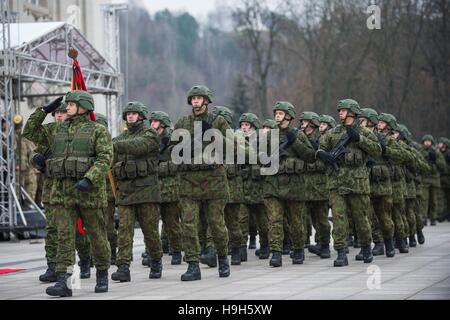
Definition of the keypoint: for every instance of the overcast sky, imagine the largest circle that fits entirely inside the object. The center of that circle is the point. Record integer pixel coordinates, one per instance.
(198, 8)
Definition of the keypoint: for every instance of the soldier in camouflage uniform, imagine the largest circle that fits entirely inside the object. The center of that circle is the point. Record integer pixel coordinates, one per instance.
(170, 183)
(381, 186)
(111, 207)
(431, 180)
(350, 186)
(412, 168)
(253, 186)
(316, 191)
(326, 123)
(135, 169)
(284, 191)
(387, 123)
(203, 186)
(444, 149)
(81, 156)
(51, 238)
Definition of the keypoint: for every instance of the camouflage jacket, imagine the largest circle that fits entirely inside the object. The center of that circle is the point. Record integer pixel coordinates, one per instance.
(353, 176)
(135, 165)
(63, 192)
(207, 182)
(409, 169)
(253, 192)
(289, 182)
(315, 174)
(167, 171)
(432, 177)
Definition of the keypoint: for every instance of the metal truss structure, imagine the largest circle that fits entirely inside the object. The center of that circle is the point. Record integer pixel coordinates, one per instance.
(34, 63)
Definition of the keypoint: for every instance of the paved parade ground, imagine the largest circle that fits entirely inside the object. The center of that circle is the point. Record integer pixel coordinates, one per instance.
(423, 273)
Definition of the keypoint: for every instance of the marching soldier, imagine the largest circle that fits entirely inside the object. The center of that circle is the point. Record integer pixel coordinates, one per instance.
(349, 185)
(203, 186)
(135, 169)
(283, 192)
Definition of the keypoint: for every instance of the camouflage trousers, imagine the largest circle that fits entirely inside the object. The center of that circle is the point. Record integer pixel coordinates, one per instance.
(170, 216)
(410, 209)
(214, 215)
(318, 211)
(94, 223)
(381, 218)
(430, 197)
(111, 224)
(399, 218)
(82, 242)
(356, 206)
(256, 212)
(148, 217)
(295, 212)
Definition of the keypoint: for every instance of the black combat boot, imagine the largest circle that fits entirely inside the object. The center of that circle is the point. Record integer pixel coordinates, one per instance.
(146, 259)
(299, 256)
(252, 243)
(359, 256)
(101, 284)
(264, 252)
(122, 274)
(210, 257)
(432, 222)
(347, 250)
(412, 241)
(155, 269)
(390, 250)
(325, 251)
(378, 249)
(243, 253)
(420, 237)
(315, 248)
(276, 260)
(176, 258)
(425, 222)
(85, 269)
(341, 259)
(192, 273)
(224, 267)
(165, 245)
(113, 256)
(144, 254)
(235, 256)
(367, 254)
(50, 273)
(402, 247)
(60, 289)
(286, 247)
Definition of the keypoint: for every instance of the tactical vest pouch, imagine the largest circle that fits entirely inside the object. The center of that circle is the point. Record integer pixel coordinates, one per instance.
(409, 176)
(289, 165)
(379, 173)
(142, 168)
(55, 168)
(119, 171)
(70, 167)
(396, 174)
(245, 172)
(320, 166)
(173, 168)
(300, 166)
(130, 169)
(354, 157)
(83, 165)
(311, 167)
(163, 169)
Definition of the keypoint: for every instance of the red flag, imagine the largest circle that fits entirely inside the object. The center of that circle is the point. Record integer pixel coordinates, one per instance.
(78, 83)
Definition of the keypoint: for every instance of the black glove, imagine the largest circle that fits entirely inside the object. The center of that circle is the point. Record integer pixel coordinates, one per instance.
(39, 162)
(383, 145)
(353, 134)
(290, 136)
(432, 156)
(52, 106)
(84, 185)
(326, 157)
(315, 144)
